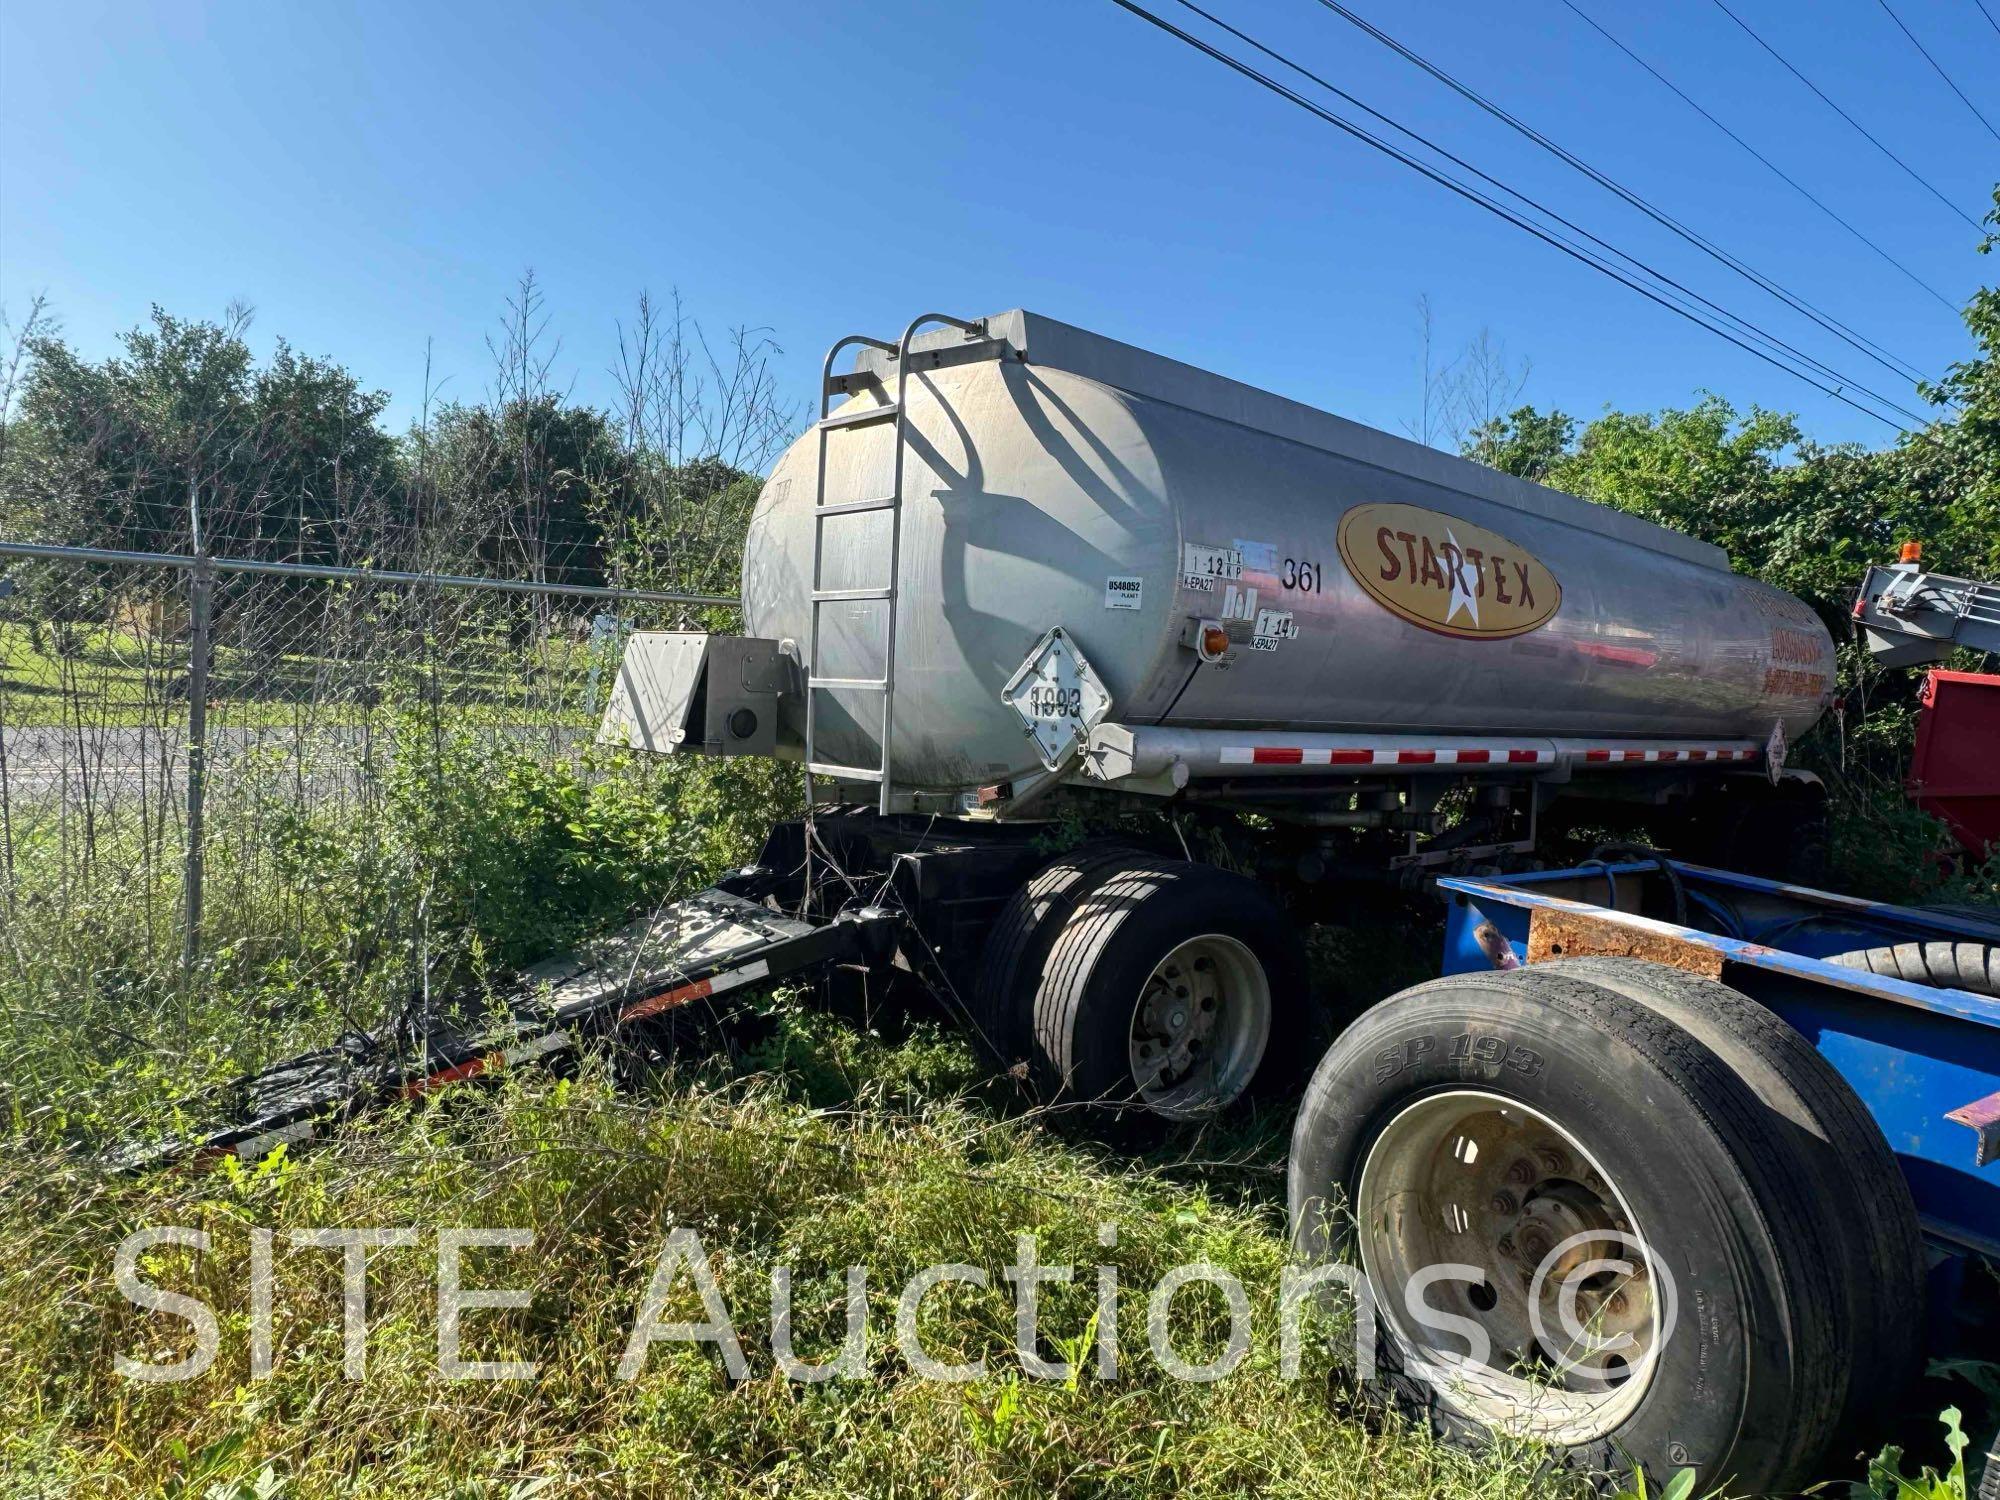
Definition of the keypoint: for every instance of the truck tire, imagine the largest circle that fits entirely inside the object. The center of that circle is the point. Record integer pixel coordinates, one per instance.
(1173, 989)
(1510, 1123)
(1989, 1487)
(1959, 966)
(1010, 965)
(1864, 1199)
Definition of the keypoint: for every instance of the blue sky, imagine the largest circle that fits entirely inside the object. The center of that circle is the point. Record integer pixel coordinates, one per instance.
(373, 175)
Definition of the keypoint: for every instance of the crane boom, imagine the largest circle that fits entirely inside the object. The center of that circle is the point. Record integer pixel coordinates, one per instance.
(1910, 617)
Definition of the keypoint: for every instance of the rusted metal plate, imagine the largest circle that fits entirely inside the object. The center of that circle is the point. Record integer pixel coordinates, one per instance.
(1574, 934)
(1983, 1116)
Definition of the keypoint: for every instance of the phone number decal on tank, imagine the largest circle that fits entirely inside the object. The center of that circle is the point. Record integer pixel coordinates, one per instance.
(1445, 574)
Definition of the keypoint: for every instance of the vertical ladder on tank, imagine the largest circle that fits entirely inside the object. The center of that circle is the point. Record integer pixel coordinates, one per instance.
(829, 421)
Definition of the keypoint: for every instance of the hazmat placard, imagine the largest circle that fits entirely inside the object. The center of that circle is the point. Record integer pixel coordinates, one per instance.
(1058, 697)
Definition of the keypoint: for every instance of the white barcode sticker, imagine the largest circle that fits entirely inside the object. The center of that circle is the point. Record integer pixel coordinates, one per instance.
(1124, 593)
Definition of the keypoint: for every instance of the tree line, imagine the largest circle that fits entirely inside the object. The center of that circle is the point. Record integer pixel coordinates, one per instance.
(183, 439)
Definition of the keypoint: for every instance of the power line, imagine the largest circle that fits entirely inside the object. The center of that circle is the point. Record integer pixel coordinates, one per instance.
(1774, 168)
(1859, 342)
(1745, 326)
(1491, 205)
(1915, 175)
(1990, 19)
(1938, 68)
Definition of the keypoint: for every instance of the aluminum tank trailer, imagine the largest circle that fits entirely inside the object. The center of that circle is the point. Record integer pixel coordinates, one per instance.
(1018, 558)
(1019, 575)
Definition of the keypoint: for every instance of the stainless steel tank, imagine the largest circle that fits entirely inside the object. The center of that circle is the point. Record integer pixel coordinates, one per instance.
(1056, 477)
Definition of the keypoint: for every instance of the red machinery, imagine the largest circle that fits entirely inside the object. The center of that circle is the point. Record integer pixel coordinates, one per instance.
(1955, 771)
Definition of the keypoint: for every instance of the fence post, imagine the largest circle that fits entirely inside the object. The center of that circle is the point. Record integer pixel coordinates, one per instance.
(201, 583)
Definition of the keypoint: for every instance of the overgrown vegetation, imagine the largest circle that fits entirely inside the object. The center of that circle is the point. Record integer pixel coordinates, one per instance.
(330, 917)
(919, 1176)
(811, 1139)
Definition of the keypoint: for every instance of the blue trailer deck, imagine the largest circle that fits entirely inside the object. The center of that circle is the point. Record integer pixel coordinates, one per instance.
(1924, 1059)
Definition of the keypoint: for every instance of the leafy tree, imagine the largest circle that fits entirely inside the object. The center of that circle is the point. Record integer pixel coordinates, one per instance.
(515, 490)
(286, 461)
(1804, 516)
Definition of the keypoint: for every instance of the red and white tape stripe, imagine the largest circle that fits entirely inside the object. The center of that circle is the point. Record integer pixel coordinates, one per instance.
(1365, 755)
(1622, 754)
(729, 979)
(556, 1039)
(1482, 755)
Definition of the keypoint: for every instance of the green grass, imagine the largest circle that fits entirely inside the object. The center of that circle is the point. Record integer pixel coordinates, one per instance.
(814, 1139)
(461, 859)
(117, 677)
(911, 1168)
(817, 1145)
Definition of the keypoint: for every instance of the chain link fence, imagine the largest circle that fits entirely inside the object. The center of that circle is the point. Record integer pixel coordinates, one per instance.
(297, 787)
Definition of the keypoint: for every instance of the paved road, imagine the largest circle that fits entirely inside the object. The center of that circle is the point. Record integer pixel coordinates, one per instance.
(117, 763)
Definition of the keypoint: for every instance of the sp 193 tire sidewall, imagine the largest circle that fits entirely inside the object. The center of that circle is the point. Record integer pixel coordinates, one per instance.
(1733, 1395)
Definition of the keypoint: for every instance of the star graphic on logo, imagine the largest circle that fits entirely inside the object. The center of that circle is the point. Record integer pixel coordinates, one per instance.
(1461, 597)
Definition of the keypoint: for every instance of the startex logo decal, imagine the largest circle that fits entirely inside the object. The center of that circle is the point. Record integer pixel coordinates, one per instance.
(1445, 574)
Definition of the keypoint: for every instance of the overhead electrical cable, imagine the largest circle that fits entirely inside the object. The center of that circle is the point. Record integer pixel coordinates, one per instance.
(1774, 168)
(1914, 174)
(1991, 20)
(1747, 328)
(1861, 343)
(1938, 68)
(1837, 392)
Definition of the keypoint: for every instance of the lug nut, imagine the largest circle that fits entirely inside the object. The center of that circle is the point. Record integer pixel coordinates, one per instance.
(1554, 1160)
(1521, 1173)
(1503, 1203)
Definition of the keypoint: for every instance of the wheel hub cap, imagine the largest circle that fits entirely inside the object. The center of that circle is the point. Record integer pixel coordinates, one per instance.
(1568, 1297)
(1200, 1026)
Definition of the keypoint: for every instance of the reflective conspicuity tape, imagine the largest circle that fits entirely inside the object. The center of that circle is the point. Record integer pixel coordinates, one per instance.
(1366, 755)
(526, 1050)
(729, 979)
(1476, 755)
(1653, 755)
(1117, 752)
(472, 1067)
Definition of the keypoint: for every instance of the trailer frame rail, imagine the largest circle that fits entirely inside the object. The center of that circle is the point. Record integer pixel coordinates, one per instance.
(720, 940)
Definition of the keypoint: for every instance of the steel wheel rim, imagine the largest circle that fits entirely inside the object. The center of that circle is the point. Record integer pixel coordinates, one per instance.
(1199, 1027)
(1443, 1184)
